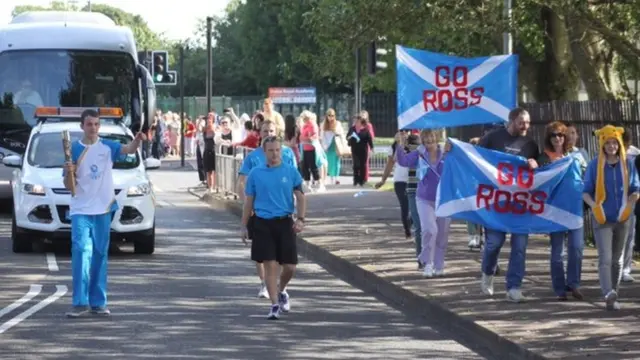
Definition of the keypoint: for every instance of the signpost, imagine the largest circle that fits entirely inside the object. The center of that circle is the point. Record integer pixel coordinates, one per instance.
(306, 95)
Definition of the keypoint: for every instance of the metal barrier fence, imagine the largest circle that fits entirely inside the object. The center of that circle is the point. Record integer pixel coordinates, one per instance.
(227, 167)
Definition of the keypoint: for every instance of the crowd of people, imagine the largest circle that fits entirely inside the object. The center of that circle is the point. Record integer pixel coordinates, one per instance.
(610, 193)
(417, 159)
(318, 146)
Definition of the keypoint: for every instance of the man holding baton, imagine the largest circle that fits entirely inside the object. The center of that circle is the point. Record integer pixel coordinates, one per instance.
(91, 210)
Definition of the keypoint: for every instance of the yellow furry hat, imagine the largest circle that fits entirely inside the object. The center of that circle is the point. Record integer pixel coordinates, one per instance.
(606, 133)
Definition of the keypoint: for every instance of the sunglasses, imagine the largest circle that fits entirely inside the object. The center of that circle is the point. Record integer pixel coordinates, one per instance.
(557, 135)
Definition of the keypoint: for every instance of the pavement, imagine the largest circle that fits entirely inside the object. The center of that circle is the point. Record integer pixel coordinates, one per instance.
(195, 298)
(360, 239)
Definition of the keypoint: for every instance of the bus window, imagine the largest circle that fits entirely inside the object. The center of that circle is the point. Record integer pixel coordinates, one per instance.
(71, 78)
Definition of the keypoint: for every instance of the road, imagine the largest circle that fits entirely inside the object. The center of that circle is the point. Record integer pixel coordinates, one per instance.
(195, 298)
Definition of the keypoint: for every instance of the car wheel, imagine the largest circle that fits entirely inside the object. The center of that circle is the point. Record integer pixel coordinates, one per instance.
(20, 242)
(145, 242)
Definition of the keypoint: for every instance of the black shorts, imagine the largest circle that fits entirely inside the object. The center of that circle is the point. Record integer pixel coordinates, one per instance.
(250, 225)
(274, 240)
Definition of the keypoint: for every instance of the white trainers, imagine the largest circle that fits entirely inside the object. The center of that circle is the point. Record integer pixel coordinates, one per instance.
(486, 284)
(428, 271)
(439, 273)
(474, 241)
(263, 293)
(274, 313)
(611, 300)
(283, 301)
(515, 295)
(626, 277)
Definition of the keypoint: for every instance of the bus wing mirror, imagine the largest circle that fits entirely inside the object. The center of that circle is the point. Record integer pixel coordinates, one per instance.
(148, 103)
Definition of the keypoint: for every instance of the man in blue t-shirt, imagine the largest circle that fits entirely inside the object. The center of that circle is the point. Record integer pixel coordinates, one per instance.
(269, 194)
(254, 159)
(92, 206)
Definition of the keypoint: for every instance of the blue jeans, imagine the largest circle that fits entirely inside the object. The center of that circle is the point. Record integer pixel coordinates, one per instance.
(89, 252)
(415, 219)
(574, 262)
(493, 244)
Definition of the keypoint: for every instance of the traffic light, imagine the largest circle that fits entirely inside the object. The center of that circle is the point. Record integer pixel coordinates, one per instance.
(373, 58)
(160, 68)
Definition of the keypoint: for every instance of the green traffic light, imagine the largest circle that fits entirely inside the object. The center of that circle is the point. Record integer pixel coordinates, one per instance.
(159, 77)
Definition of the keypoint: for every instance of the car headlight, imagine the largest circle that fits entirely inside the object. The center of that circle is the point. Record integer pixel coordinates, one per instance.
(33, 189)
(139, 190)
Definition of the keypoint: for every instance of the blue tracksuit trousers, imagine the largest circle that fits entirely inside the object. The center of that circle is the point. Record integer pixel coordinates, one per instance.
(89, 253)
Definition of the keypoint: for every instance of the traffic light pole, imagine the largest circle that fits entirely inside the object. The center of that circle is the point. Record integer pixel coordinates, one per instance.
(209, 60)
(358, 84)
(182, 117)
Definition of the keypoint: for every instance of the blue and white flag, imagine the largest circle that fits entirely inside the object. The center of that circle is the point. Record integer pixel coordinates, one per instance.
(439, 91)
(500, 192)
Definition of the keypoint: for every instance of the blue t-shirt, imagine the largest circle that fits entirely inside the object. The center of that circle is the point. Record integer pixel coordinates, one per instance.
(272, 190)
(257, 158)
(613, 185)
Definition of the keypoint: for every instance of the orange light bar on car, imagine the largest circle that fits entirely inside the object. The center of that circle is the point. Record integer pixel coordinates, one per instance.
(46, 111)
(110, 112)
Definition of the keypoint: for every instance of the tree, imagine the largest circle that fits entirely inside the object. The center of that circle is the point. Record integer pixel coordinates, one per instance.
(559, 41)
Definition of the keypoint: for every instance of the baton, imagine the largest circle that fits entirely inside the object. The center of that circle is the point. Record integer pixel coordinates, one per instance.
(66, 146)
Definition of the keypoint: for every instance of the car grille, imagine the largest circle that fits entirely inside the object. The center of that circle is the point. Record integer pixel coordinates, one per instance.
(62, 210)
(63, 191)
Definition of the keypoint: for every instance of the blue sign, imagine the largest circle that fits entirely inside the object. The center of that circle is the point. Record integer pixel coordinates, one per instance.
(438, 91)
(501, 192)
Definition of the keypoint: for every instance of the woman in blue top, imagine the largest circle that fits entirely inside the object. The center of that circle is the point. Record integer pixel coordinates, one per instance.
(611, 190)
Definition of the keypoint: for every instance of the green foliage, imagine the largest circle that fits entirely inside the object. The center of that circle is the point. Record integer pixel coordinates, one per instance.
(263, 43)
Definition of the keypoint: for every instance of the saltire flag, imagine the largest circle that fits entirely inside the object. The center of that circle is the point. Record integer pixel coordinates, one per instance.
(499, 191)
(438, 91)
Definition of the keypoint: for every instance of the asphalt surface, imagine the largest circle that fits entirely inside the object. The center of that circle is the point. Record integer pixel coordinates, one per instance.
(195, 298)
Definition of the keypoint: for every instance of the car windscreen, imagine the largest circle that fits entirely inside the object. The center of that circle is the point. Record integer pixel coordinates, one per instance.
(45, 150)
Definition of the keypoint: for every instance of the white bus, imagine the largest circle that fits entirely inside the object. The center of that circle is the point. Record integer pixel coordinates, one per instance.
(67, 59)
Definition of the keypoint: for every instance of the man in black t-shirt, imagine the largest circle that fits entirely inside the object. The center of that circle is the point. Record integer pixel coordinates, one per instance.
(513, 140)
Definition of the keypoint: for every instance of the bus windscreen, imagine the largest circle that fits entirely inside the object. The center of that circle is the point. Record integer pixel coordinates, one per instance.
(59, 78)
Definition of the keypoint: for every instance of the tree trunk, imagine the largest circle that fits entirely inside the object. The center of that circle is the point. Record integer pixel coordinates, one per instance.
(556, 76)
(585, 61)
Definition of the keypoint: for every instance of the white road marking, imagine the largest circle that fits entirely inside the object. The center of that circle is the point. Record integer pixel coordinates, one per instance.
(162, 203)
(34, 290)
(60, 291)
(51, 262)
(156, 189)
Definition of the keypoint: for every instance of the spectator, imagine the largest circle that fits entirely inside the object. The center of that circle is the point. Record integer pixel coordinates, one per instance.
(555, 148)
(611, 190)
(428, 160)
(252, 139)
(513, 140)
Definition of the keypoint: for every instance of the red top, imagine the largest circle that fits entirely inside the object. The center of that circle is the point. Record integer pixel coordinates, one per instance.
(191, 130)
(251, 141)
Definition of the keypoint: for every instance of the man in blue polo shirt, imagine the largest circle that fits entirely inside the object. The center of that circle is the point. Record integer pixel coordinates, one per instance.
(254, 159)
(269, 194)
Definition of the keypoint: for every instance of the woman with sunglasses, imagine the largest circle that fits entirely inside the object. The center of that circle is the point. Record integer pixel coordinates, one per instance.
(557, 147)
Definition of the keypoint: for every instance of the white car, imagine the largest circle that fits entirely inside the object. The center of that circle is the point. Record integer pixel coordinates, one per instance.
(41, 202)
